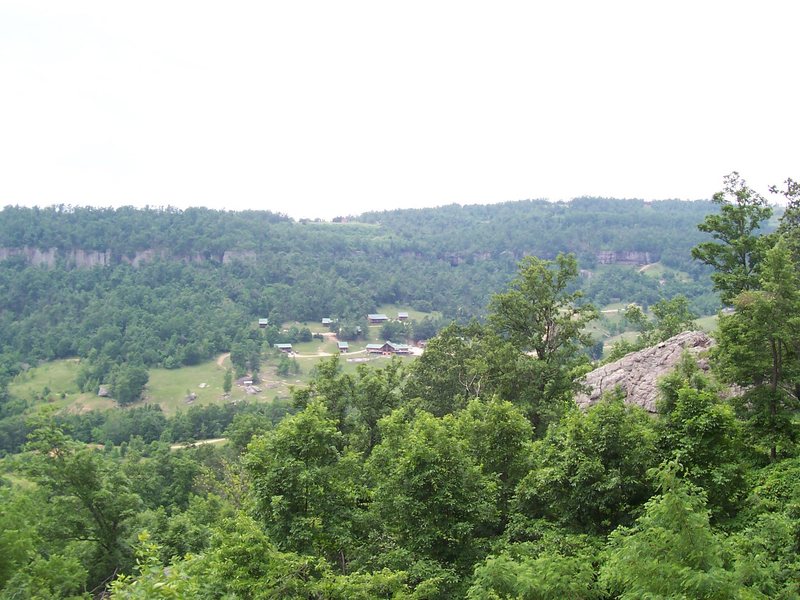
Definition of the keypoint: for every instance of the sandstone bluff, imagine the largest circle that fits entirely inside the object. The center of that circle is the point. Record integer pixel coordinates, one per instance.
(637, 373)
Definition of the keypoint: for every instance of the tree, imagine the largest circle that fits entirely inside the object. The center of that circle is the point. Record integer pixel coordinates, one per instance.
(227, 381)
(671, 317)
(304, 484)
(127, 382)
(541, 316)
(554, 567)
(461, 363)
(702, 435)
(758, 348)
(430, 497)
(590, 470)
(395, 331)
(90, 499)
(738, 249)
(789, 227)
(671, 552)
(498, 437)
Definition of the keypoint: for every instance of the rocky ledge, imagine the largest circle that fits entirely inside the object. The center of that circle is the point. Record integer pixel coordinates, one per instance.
(637, 373)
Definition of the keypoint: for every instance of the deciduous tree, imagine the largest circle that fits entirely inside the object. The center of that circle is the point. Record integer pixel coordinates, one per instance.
(737, 248)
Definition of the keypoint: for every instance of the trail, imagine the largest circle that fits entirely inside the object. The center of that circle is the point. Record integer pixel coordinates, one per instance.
(645, 267)
(221, 358)
(197, 443)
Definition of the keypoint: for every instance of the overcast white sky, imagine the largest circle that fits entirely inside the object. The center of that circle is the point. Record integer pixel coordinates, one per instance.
(317, 109)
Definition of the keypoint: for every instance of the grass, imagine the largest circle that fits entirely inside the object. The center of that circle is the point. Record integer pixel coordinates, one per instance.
(53, 384)
(58, 376)
(313, 326)
(614, 307)
(169, 387)
(391, 310)
(707, 324)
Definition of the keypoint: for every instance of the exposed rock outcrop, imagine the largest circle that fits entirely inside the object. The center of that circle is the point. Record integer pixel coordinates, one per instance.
(637, 373)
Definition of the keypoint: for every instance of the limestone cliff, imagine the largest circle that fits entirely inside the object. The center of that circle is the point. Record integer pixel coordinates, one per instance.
(637, 373)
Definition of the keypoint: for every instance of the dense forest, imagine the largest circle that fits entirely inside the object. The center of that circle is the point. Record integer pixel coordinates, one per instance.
(168, 287)
(467, 473)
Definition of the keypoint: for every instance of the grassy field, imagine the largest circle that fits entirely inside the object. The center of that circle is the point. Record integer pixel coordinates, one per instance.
(54, 384)
(707, 324)
(391, 310)
(169, 388)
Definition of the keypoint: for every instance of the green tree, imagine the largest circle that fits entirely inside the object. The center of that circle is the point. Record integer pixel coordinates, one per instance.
(757, 348)
(395, 331)
(789, 227)
(305, 485)
(590, 470)
(541, 316)
(671, 552)
(430, 497)
(128, 382)
(498, 437)
(558, 565)
(702, 435)
(738, 248)
(461, 363)
(90, 499)
(227, 381)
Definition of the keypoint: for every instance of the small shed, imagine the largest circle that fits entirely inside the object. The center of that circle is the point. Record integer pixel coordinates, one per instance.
(326, 321)
(283, 347)
(377, 318)
(402, 316)
(343, 346)
(262, 323)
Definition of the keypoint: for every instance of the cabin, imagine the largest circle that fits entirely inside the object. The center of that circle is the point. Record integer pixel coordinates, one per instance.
(284, 347)
(326, 321)
(343, 347)
(262, 323)
(388, 348)
(402, 316)
(377, 318)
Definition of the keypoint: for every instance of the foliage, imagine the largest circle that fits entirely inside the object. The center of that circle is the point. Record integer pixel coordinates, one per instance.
(590, 470)
(90, 499)
(127, 382)
(466, 473)
(701, 434)
(541, 315)
(430, 496)
(758, 349)
(671, 552)
(556, 566)
(304, 485)
(738, 249)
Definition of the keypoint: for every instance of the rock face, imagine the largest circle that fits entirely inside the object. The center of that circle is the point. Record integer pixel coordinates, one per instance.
(637, 373)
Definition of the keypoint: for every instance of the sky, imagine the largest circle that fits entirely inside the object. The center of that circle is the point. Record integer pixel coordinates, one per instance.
(320, 109)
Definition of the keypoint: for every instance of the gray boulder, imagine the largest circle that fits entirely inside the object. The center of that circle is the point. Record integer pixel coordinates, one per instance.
(637, 373)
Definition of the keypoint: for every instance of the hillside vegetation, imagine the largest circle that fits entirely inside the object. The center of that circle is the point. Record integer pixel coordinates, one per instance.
(468, 472)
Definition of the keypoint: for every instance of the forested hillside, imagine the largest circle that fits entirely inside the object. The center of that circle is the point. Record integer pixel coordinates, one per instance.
(466, 473)
(172, 286)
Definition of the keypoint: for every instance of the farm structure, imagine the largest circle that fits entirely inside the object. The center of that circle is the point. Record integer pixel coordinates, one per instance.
(388, 348)
(377, 318)
(284, 347)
